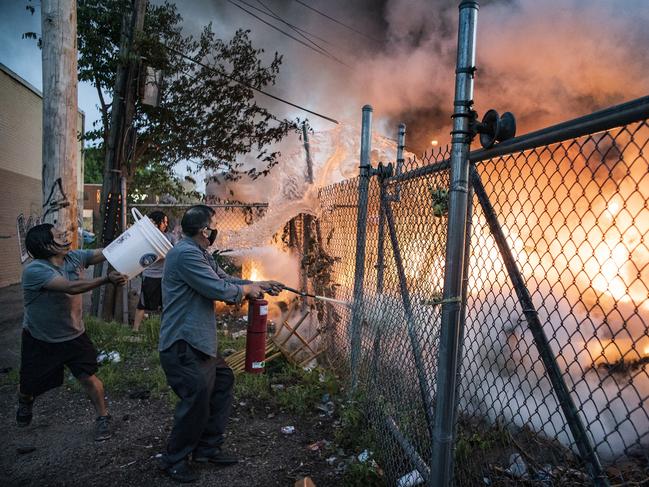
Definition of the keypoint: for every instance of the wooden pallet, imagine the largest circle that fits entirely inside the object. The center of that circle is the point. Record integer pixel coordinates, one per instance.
(275, 348)
(305, 345)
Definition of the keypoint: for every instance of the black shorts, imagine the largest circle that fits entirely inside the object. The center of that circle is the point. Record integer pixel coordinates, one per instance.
(41, 363)
(151, 294)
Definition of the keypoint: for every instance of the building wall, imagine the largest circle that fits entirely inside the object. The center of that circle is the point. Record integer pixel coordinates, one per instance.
(21, 145)
(91, 200)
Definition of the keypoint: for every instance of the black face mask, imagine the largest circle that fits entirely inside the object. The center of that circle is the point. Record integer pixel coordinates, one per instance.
(212, 236)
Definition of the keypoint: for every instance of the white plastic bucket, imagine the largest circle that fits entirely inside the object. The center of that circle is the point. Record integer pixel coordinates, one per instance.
(138, 247)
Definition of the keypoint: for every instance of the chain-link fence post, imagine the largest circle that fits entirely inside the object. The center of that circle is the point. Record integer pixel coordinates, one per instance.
(452, 306)
(380, 255)
(306, 219)
(361, 236)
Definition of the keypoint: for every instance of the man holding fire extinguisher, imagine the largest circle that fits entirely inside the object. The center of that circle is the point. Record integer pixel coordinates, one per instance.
(191, 282)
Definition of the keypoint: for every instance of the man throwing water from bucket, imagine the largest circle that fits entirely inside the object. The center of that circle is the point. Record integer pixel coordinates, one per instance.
(191, 283)
(53, 330)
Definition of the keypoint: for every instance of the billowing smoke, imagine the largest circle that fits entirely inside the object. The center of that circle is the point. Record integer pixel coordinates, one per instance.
(545, 61)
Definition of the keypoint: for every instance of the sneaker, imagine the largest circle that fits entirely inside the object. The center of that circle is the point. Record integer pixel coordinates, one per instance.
(181, 472)
(24, 412)
(102, 428)
(216, 456)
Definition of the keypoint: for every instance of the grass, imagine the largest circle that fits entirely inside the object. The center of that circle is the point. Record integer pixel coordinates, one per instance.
(139, 368)
(296, 390)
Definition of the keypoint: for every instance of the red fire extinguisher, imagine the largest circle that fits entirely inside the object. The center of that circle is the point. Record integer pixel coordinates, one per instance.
(256, 336)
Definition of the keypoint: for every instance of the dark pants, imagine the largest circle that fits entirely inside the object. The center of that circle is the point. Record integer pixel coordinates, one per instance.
(41, 363)
(204, 385)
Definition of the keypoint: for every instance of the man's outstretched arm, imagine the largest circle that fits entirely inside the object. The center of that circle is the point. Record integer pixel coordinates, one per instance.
(80, 286)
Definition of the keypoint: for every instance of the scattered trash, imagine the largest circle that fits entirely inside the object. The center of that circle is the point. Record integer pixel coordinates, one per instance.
(140, 394)
(277, 387)
(331, 460)
(238, 334)
(288, 430)
(328, 408)
(22, 450)
(544, 475)
(228, 351)
(310, 366)
(113, 357)
(270, 415)
(517, 466)
(127, 464)
(410, 479)
(243, 404)
(318, 445)
(304, 482)
(486, 480)
(364, 456)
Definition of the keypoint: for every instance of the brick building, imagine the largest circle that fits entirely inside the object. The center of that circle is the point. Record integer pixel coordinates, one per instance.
(21, 127)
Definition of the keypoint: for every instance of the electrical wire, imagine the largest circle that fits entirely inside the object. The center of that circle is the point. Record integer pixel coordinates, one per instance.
(301, 32)
(286, 33)
(247, 85)
(337, 21)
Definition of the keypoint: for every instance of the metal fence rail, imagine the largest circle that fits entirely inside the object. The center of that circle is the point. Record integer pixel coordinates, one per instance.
(573, 217)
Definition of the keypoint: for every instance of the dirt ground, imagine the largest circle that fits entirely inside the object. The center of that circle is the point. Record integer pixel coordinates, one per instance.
(57, 449)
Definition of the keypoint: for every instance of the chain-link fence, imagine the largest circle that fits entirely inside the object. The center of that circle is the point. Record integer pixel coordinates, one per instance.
(558, 280)
(230, 216)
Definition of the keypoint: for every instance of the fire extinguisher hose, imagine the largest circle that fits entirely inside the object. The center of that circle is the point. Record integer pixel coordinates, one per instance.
(321, 298)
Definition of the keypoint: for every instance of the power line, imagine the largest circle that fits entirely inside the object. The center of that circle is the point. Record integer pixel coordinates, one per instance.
(311, 34)
(247, 85)
(300, 32)
(286, 33)
(337, 21)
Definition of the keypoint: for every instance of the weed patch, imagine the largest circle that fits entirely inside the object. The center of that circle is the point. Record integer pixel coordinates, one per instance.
(139, 366)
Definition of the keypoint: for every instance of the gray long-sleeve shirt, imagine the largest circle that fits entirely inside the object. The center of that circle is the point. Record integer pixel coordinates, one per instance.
(191, 282)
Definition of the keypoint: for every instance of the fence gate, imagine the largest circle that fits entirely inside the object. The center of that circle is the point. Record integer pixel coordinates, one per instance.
(544, 379)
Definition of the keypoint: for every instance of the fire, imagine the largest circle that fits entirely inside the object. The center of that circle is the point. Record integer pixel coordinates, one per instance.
(254, 275)
(250, 269)
(610, 351)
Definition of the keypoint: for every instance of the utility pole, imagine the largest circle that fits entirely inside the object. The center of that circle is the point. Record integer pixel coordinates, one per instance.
(306, 219)
(60, 114)
(120, 139)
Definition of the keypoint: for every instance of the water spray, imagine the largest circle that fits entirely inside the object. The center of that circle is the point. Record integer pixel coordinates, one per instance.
(322, 298)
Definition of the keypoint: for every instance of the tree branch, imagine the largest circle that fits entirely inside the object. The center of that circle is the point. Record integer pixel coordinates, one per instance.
(104, 109)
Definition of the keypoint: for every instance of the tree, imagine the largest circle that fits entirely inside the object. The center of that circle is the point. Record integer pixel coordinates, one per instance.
(203, 117)
(149, 179)
(93, 165)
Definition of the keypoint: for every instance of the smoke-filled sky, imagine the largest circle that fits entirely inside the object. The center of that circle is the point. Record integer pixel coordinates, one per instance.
(544, 60)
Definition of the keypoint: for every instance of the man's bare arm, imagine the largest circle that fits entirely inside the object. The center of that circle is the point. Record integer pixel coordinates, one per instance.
(80, 286)
(97, 257)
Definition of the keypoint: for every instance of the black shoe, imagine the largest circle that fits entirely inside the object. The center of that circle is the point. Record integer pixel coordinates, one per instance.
(102, 428)
(24, 412)
(216, 456)
(181, 472)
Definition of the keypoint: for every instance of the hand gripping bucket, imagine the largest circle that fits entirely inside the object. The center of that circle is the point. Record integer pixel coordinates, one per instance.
(138, 247)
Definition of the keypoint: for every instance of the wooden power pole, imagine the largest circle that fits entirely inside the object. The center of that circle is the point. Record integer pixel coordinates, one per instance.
(120, 135)
(60, 114)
